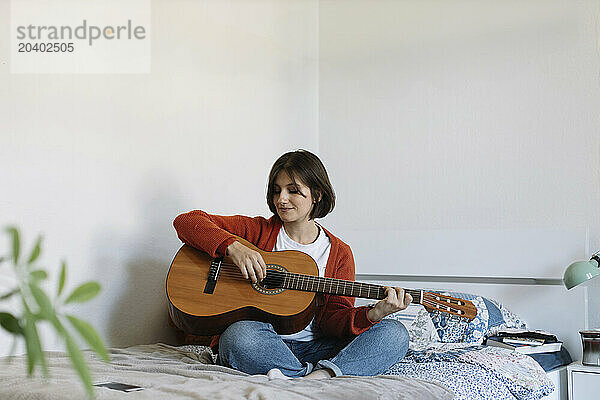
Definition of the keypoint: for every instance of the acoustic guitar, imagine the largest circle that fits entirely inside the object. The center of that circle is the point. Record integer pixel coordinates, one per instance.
(208, 294)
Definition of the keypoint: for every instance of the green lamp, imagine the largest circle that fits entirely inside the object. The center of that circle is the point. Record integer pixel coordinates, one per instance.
(576, 274)
(582, 271)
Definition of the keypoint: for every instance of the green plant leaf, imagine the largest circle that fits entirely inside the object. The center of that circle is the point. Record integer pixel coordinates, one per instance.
(46, 310)
(90, 335)
(58, 325)
(10, 323)
(16, 244)
(79, 364)
(33, 345)
(63, 277)
(35, 253)
(84, 292)
(38, 275)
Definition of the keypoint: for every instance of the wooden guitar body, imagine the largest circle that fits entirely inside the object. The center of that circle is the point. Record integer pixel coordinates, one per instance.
(235, 298)
(207, 294)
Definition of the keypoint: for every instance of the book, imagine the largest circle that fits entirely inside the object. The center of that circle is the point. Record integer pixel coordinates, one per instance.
(527, 334)
(523, 340)
(525, 348)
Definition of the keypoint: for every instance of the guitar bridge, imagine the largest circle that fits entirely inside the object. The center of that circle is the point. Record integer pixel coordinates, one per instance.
(213, 275)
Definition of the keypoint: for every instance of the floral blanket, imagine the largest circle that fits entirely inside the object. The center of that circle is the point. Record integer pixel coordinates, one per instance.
(476, 372)
(449, 351)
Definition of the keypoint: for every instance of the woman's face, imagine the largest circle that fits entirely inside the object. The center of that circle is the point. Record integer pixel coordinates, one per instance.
(293, 202)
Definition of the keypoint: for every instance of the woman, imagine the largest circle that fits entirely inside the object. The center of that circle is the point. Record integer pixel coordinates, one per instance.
(341, 339)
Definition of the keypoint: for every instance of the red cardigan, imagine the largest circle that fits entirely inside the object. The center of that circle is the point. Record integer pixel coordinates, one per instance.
(213, 234)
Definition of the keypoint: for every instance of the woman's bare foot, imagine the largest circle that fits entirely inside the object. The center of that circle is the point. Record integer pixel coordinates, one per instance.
(320, 374)
(276, 374)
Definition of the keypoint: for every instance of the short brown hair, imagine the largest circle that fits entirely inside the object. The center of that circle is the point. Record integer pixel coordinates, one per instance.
(308, 168)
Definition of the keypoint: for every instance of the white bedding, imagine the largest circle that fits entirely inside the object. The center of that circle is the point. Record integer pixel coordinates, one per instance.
(168, 372)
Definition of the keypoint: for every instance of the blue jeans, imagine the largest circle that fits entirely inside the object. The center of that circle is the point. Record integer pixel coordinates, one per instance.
(254, 347)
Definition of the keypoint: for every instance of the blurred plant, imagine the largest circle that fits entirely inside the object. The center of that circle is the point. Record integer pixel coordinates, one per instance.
(37, 306)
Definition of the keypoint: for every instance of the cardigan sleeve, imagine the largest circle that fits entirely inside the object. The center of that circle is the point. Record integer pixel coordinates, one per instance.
(339, 317)
(214, 233)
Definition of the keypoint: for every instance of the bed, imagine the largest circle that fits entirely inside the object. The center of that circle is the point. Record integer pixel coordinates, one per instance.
(451, 352)
(446, 360)
(167, 372)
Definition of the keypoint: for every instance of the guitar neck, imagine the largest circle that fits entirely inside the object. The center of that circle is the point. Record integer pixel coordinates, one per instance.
(340, 287)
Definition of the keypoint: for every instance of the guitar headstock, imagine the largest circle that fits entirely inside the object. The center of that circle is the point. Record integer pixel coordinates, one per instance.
(450, 305)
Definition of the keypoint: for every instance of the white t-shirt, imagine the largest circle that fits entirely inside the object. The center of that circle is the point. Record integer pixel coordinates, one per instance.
(319, 251)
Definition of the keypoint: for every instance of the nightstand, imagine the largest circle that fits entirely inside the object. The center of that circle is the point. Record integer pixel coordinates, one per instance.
(584, 381)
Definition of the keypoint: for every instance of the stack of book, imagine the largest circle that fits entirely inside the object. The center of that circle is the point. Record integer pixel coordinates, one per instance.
(525, 341)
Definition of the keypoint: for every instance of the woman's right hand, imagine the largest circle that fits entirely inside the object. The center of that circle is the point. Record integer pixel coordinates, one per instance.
(249, 261)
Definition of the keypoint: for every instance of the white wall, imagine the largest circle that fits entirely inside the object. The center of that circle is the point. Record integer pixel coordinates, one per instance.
(102, 164)
(463, 140)
(464, 132)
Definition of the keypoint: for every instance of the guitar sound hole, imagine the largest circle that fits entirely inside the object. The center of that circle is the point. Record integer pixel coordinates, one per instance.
(265, 284)
(273, 282)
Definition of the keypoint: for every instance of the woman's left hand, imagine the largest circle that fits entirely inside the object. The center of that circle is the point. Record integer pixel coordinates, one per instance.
(396, 300)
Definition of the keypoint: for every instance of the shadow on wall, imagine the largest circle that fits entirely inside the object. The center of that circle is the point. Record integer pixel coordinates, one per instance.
(139, 315)
(136, 289)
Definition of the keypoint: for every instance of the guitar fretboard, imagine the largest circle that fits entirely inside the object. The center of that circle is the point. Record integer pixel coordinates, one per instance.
(309, 283)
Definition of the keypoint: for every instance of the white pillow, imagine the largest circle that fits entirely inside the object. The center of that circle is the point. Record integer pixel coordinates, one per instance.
(417, 321)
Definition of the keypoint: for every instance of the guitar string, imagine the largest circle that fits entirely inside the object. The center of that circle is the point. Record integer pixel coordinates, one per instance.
(424, 301)
(307, 280)
(236, 274)
(301, 280)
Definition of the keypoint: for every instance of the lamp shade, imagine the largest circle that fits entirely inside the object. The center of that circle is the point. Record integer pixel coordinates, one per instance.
(580, 271)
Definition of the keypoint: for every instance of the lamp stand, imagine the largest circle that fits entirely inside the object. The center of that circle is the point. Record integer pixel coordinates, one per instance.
(586, 304)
